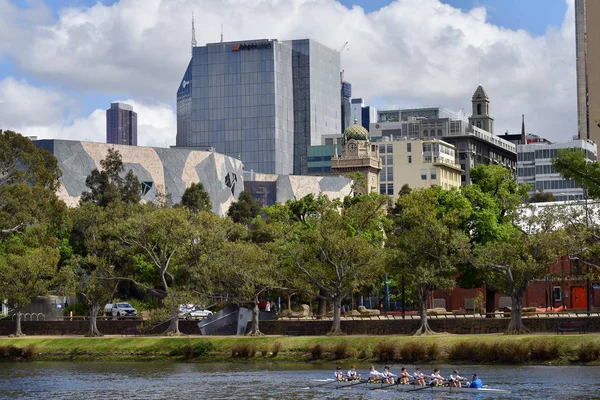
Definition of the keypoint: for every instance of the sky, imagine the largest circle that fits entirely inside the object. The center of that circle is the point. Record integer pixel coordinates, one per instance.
(62, 62)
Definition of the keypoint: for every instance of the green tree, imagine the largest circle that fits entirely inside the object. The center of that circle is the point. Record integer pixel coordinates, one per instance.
(108, 185)
(196, 199)
(245, 209)
(572, 164)
(534, 244)
(428, 241)
(541, 197)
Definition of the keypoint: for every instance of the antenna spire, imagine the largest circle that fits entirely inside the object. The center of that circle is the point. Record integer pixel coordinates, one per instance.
(193, 34)
(221, 33)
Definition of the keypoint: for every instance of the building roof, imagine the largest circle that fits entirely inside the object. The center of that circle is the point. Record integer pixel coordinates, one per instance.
(356, 132)
(480, 93)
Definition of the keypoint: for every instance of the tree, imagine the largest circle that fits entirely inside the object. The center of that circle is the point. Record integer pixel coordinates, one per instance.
(159, 234)
(541, 197)
(336, 248)
(404, 190)
(196, 199)
(108, 185)
(27, 270)
(523, 257)
(245, 209)
(428, 241)
(572, 164)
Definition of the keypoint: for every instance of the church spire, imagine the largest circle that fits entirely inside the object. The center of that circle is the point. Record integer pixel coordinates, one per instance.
(193, 34)
(523, 135)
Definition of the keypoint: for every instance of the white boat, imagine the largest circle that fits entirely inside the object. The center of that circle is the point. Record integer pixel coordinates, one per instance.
(362, 385)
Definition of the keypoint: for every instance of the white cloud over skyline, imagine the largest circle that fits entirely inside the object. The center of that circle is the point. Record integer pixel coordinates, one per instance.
(408, 54)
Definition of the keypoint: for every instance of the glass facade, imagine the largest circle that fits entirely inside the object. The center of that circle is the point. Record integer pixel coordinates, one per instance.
(121, 124)
(253, 100)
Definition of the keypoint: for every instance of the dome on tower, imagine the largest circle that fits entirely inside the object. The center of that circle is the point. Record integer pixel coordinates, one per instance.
(480, 93)
(356, 132)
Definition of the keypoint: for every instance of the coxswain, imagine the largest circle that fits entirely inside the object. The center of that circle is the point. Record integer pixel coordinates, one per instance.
(352, 375)
(374, 375)
(454, 379)
(404, 376)
(436, 379)
(419, 377)
(476, 382)
(387, 376)
(338, 375)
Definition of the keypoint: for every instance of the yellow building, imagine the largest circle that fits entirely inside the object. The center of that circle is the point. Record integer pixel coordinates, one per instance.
(418, 163)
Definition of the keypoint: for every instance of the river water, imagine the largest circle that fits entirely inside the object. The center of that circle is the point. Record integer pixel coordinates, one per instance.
(164, 380)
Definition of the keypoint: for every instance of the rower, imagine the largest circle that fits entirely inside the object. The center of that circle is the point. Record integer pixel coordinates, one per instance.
(419, 377)
(436, 379)
(404, 376)
(374, 375)
(454, 379)
(338, 375)
(476, 382)
(352, 375)
(387, 376)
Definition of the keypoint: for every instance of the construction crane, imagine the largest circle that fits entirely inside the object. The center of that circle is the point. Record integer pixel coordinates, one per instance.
(343, 47)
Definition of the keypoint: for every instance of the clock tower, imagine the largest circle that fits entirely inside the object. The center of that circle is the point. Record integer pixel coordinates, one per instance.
(481, 111)
(359, 155)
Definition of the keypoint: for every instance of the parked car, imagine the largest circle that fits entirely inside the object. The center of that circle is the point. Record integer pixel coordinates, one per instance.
(190, 311)
(119, 310)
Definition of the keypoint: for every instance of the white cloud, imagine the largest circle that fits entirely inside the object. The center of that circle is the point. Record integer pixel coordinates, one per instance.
(409, 53)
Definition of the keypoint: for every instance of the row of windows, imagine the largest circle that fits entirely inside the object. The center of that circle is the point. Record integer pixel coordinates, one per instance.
(386, 189)
(549, 153)
(526, 171)
(555, 184)
(432, 171)
(386, 148)
(387, 174)
(387, 160)
(319, 158)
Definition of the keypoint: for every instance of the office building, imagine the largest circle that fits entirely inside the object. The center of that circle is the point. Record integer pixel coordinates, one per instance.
(346, 93)
(535, 168)
(418, 163)
(121, 124)
(587, 51)
(262, 101)
(474, 144)
(362, 114)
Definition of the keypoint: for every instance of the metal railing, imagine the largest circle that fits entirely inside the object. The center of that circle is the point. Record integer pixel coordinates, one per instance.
(497, 315)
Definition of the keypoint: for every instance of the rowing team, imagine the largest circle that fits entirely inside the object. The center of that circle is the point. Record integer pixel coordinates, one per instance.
(417, 378)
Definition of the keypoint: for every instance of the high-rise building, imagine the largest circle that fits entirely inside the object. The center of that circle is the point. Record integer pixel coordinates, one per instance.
(262, 101)
(346, 93)
(535, 168)
(121, 124)
(587, 50)
(362, 114)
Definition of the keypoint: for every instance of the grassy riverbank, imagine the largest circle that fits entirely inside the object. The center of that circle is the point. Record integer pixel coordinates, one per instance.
(485, 349)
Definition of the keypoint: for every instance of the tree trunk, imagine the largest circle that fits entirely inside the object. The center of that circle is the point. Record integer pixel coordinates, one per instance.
(254, 331)
(18, 331)
(423, 295)
(173, 329)
(516, 311)
(322, 309)
(289, 302)
(93, 326)
(336, 326)
(490, 302)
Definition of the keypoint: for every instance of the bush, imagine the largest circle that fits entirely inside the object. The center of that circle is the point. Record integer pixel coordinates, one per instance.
(316, 351)
(414, 351)
(588, 352)
(187, 351)
(363, 353)
(79, 309)
(202, 348)
(509, 352)
(340, 350)
(28, 352)
(433, 352)
(463, 351)
(264, 349)
(243, 350)
(385, 351)
(543, 350)
(276, 348)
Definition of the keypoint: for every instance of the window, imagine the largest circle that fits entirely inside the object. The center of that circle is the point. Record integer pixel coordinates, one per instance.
(408, 147)
(432, 132)
(390, 149)
(410, 159)
(479, 109)
(479, 124)
(329, 141)
(390, 160)
(439, 132)
(390, 189)
(433, 173)
(383, 174)
(382, 188)
(390, 174)
(557, 293)
(423, 174)
(382, 149)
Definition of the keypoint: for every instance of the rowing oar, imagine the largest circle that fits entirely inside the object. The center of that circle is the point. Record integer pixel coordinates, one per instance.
(327, 383)
(360, 382)
(397, 383)
(423, 387)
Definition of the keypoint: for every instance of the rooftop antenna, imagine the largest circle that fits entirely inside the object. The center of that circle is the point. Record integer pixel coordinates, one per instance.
(193, 34)
(221, 33)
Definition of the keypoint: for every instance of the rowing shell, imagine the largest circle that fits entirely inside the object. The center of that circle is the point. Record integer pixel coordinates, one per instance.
(326, 384)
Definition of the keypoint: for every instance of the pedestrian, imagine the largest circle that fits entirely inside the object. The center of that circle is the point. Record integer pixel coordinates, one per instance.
(268, 307)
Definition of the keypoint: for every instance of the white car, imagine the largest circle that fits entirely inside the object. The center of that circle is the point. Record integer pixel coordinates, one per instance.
(193, 312)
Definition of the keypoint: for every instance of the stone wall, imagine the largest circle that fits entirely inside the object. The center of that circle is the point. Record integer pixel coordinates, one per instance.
(406, 327)
(80, 327)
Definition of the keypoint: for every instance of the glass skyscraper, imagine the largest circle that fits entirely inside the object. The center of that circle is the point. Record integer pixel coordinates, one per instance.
(263, 101)
(121, 124)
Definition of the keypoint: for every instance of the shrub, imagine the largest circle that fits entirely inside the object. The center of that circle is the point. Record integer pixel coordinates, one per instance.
(363, 353)
(29, 352)
(243, 350)
(340, 350)
(509, 352)
(276, 348)
(264, 349)
(202, 348)
(316, 351)
(187, 351)
(79, 309)
(543, 350)
(14, 352)
(463, 351)
(384, 351)
(414, 351)
(433, 352)
(588, 352)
